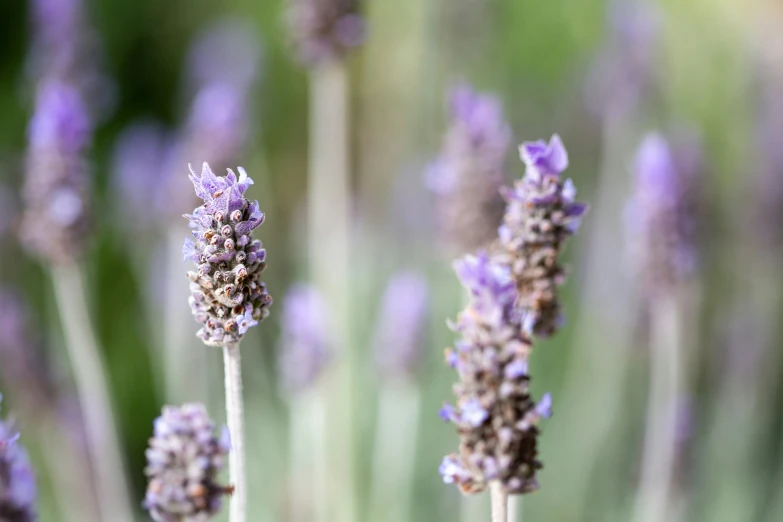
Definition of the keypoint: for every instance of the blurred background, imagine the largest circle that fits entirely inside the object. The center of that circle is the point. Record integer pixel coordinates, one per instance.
(170, 83)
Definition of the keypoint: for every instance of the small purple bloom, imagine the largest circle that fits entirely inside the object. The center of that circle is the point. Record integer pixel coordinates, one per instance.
(447, 412)
(18, 490)
(543, 158)
(516, 369)
(473, 412)
(544, 406)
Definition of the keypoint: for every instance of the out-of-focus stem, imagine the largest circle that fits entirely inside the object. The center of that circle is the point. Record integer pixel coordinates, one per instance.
(329, 244)
(394, 455)
(515, 508)
(308, 457)
(94, 396)
(660, 440)
(232, 365)
(499, 499)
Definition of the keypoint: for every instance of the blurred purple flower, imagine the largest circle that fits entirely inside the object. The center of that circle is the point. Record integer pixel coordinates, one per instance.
(541, 214)
(184, 458)
(227, 294)
(56, 192)
(307, 344)
(766, 223)
(467, 176)
(325, 30)
(400, 328)
(18, 490)
(495, 415)
(660, 218)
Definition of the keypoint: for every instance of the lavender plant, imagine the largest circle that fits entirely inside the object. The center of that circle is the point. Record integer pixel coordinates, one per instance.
(541, 214)
(325, 30)
(470, 171)
(56, 219)
(17, 480)
(495, 414)
(227, 294)
(184, 458)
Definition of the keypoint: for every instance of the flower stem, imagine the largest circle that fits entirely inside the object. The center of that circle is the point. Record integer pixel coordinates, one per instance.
(234, 411)
(93, 392)
(499, 499)
(660, 440)
(515, 508)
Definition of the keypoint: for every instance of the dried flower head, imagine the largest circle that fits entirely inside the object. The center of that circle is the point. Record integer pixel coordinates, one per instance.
(17, 481)
(467, 177)
(307, 343)
(541, 214)
(227, 294)
(660, 217)
(184, 459)
(495, 415)
(56, 219)
(399, 333)
(325, 30)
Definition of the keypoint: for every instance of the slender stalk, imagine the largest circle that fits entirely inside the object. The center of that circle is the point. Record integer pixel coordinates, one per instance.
(653, 498)
(93, 392)
(329, 244)
(499, 499)
(515, 508)
(308, 453)
(232, 365)
(395, 451)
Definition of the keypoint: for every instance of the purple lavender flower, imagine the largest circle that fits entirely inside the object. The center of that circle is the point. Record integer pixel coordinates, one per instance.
(18, 491)
(184, 459)
(660, 217)
(495, 415)
(227, 294)
(307, 343)
(541, 214)
(325, 30)
(56, 219)
(398, 337)
(467, 177)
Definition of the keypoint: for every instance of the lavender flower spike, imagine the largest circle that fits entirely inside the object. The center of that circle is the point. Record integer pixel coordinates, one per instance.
(56, 220)
(227, 294)
(307, 343)
(325, 30)
(659, 217)
(495, 415)
(17, 481)
(540, 215)
(183, 460)
(401, 324)
(467, 177)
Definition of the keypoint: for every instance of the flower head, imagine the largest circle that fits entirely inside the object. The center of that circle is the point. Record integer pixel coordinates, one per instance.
(541, 213)
(325, 30)
(398, 337)
(56, 219)
(17, 481)
(467, 176)
(495, 414)
(660, 216)
(307, 343)
(184, 458)
(227, 294)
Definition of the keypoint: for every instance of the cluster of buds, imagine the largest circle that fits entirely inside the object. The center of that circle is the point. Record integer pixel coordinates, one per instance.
(227, 294)
(470, 171)
(541, 214)
(183, 460)
(56, 192)
(325, 30)
(17, 480)
(495, 415)
(306, 340)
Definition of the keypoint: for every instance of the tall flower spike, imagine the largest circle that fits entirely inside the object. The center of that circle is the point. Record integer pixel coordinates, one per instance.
(227, 294)
(17, 481)
(184, 459)
(401, 323)
(467, 177)
(541, 214)
(56, 220)
(660, 217)
(325, 30)
(306, 342)
(495, 415)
